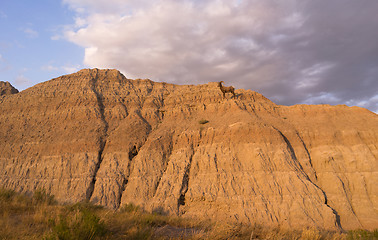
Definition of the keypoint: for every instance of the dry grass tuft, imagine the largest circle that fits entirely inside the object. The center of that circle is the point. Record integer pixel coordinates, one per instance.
(40, 217)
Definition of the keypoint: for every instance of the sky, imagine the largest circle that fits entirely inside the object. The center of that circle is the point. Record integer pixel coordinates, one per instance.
(291, 51)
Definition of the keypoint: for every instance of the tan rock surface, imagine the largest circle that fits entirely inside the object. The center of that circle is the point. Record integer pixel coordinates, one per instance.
(98, 136)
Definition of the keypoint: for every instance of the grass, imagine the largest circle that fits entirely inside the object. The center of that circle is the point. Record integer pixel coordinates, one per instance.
(39, 216)
(77, 222)
(363, 234)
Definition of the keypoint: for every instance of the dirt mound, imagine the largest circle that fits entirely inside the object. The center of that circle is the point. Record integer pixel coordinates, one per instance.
(185, 150)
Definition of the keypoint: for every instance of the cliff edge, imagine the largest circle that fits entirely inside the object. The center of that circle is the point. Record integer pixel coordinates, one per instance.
(185, 150)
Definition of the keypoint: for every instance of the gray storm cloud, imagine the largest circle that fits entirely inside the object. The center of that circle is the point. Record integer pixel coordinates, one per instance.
(292, 51)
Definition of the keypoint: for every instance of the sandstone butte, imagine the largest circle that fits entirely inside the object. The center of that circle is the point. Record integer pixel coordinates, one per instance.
(96, 135)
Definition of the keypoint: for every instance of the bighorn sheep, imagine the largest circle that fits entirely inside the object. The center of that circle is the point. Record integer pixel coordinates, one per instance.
(226, 89)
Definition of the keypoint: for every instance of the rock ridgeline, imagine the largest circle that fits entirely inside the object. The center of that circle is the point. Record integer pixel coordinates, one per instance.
(6, 89)
(96, 135)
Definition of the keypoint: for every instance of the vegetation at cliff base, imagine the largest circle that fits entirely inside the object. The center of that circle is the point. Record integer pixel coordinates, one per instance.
(39, 216)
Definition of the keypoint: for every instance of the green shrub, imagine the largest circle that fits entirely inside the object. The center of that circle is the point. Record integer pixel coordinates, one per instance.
(140, 234)
(85, 206)
(152, 220)
(77, 223)
(40, 196)
(362, 235)
(129, 207)
(6, 194)
(311, 234)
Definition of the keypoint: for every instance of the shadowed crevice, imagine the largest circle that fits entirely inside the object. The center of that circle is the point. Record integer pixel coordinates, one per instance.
(166, 159)
(294, 163)
(102, 138)
(308, 155)
(338, 221)
(184, 185)
(349, 201)
(300, 168)
(132, 155)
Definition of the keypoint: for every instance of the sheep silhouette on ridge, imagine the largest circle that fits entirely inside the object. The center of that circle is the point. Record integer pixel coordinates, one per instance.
(225, 90)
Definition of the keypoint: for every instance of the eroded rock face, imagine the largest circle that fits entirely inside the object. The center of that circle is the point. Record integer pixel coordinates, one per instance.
(6, 89)
(95, 135)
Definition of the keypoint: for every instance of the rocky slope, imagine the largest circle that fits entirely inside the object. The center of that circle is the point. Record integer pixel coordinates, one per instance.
(95, 135)
(6, 88)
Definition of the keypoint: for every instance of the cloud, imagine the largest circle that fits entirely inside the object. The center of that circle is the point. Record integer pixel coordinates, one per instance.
(365, 102)
(55, 37)
(67, 68)
(4, 65)
(49, 68)
(30, 33)
(21, 80)
(294, 51)
(3, 15)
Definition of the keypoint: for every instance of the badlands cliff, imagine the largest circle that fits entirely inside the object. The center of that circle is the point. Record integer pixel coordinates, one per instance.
(96, 135)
